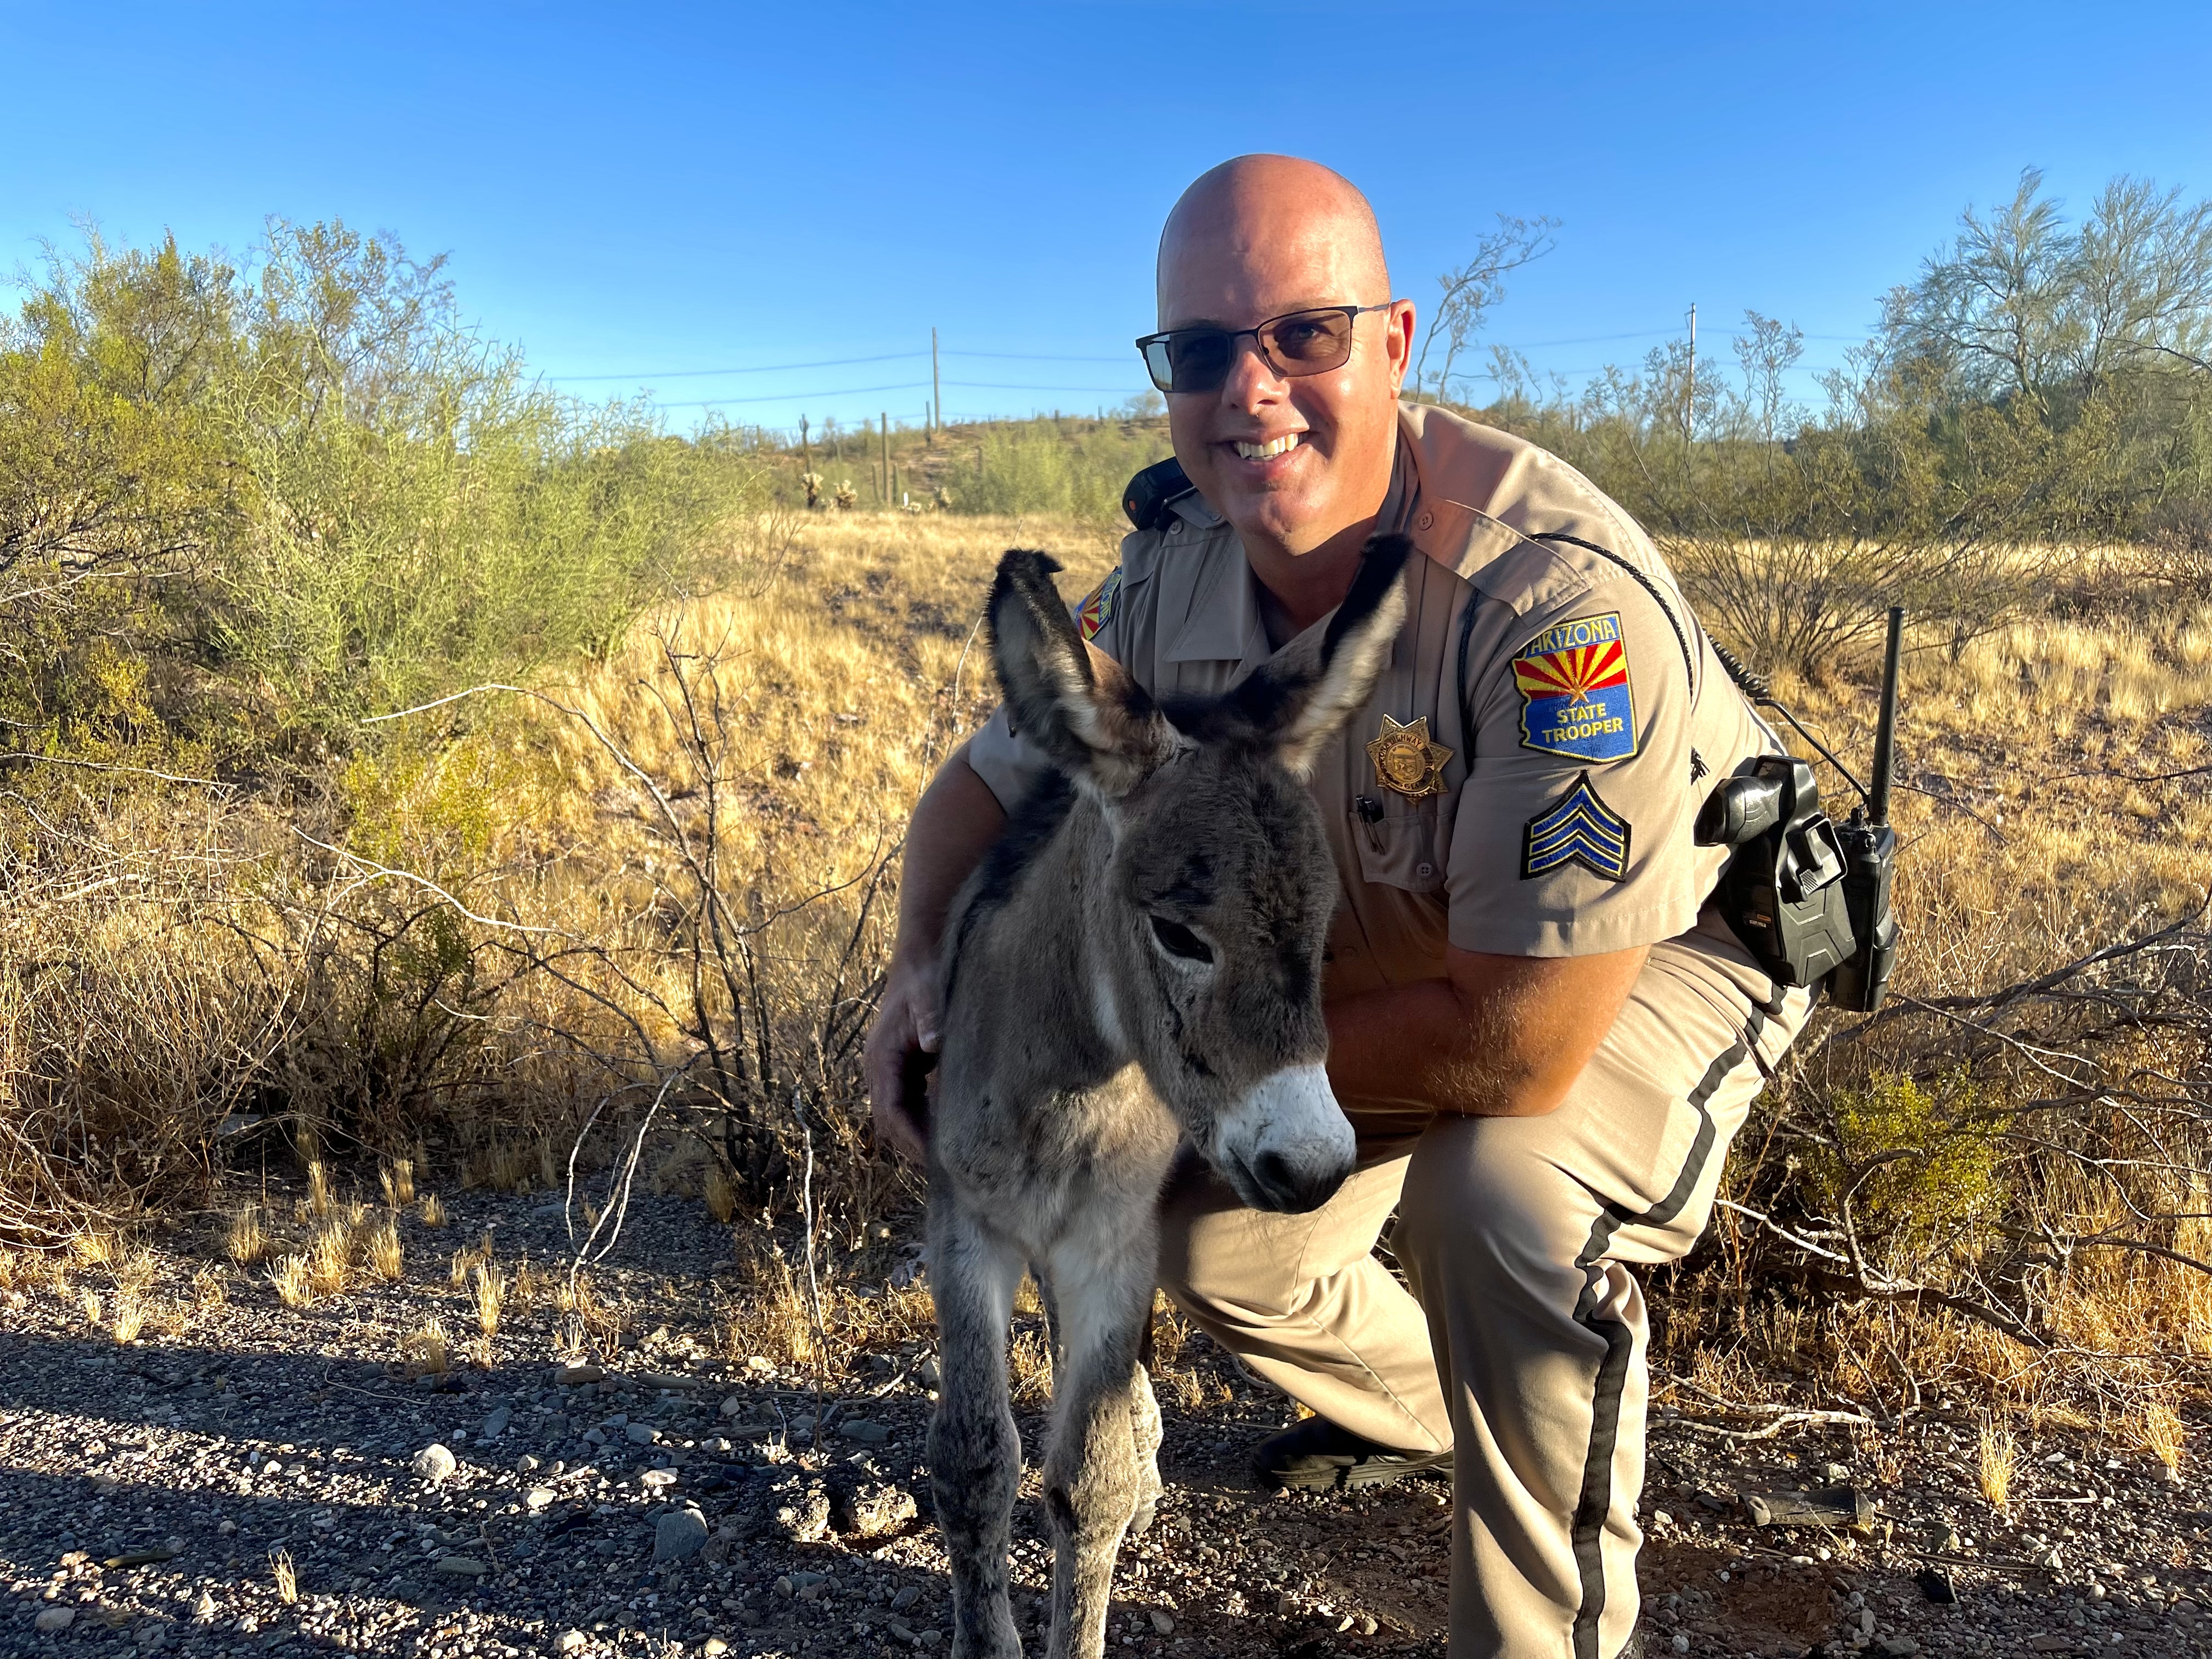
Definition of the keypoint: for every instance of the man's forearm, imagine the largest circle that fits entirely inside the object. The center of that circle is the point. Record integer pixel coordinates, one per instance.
(1503, 1037)
(953, 826)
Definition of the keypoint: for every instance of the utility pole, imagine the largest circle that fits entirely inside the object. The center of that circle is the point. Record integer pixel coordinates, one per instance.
(936, 389)
(884, 417)
(1690, 407)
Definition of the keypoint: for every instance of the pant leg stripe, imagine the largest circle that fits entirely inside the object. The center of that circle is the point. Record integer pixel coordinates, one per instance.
(1595, 1501)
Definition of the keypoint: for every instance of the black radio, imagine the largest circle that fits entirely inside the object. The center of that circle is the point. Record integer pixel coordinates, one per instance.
(1809, 898)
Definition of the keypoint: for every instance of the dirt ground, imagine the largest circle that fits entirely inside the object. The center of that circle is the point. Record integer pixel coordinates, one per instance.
(148, 1490)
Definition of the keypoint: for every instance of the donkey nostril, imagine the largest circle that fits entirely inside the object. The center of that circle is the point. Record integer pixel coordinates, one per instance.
(1276, 1178)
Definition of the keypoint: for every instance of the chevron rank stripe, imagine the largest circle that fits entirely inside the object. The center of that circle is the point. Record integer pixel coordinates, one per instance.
(1578, 828)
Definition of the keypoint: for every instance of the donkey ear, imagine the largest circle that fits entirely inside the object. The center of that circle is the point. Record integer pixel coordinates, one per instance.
(1072, 700)
(1301, 697)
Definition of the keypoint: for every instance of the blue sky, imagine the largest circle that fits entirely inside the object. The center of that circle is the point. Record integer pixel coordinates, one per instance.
(632, 192)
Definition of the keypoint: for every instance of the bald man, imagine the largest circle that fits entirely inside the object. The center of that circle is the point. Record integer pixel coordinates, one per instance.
(1543, 1033)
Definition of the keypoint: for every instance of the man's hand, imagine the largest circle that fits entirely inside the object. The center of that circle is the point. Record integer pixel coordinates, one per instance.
(900, 1049)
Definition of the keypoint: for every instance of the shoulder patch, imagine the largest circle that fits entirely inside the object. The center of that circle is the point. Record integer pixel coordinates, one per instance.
(1097, 609)
(1576, 698)
(1578, 828)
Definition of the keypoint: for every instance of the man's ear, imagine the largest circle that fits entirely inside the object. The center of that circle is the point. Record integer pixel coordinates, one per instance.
(1299, 699)
(1071, 699)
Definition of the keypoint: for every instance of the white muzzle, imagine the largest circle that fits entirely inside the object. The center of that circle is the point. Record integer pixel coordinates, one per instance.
(1286, 1145)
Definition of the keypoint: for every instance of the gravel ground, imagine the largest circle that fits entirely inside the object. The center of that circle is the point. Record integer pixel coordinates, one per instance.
(520, 1508)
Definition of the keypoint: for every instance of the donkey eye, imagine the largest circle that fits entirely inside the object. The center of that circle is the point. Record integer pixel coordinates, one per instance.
(1178, 940)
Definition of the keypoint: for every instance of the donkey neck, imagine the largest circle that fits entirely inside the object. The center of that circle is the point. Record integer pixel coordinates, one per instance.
(1033, 937)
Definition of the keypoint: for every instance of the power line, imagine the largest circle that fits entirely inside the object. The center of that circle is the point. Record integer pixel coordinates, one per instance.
(795, 397)
(1000, 386)
(643, 377)
(759, 369)
(1041, 357)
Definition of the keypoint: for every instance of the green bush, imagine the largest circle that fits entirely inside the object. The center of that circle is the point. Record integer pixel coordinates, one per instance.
(1076, 468)
(1915, 1166)
(237, 512)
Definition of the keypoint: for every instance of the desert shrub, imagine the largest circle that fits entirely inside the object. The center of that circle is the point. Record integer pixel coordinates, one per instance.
(1074, 470)
(238, 510)
(1916, 1163)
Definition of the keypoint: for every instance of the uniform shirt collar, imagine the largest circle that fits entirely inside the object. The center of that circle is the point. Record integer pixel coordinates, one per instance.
(1214, 585)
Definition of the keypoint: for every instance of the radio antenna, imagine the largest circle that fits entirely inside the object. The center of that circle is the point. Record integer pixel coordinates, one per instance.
(1885, 732)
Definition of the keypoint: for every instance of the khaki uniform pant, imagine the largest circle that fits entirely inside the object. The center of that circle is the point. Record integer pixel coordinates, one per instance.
(1524, 1343)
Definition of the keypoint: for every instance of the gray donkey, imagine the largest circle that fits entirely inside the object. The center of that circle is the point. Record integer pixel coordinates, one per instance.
(1137, 963)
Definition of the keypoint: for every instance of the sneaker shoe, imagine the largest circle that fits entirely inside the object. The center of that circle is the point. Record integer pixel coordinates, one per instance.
(1317, 1456)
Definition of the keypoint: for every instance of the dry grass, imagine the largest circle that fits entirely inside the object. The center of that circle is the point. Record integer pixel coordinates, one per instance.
(398, 1179)
(88, 1304)
(773, 1317)
(533, 1287)
(292, 1280)
(328, 1251)
(383, 1251)
(721, 1196)
(288, 1579)
(210, 1286)
(1996, 1460)
(842, 677)
(128, 1317)
(318, 1188)
(246, 1240)
(2163, 1434)
(1028, 1368)
(490, 1285)
(424, 1349)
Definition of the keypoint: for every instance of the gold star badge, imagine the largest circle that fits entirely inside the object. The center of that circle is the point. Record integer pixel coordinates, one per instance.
(1406, 761)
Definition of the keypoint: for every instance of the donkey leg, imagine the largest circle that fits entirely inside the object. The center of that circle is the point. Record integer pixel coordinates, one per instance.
(1146, 1431)
(975, 1451)
(1093, 1475)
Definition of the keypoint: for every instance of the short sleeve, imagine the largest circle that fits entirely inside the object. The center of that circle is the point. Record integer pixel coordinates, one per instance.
(1572, 831)
(1008, 762)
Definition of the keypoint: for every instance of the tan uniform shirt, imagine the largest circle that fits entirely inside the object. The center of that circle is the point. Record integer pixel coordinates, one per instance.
(1585, 716)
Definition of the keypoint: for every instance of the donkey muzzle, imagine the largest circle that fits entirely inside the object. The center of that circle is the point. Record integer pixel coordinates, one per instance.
(1286, 1145)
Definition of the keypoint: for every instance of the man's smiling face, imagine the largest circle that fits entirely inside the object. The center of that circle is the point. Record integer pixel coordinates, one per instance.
(1289, 461)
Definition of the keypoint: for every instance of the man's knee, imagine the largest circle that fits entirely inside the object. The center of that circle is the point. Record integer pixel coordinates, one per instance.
(1485, 1212)
(1207, 1256)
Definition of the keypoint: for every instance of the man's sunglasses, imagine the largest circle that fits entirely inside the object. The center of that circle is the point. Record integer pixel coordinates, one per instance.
(1298, 342)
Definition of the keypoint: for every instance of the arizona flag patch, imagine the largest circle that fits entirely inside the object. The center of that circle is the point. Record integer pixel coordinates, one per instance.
(1575, 694)
(1578, 828)
(1094, 613)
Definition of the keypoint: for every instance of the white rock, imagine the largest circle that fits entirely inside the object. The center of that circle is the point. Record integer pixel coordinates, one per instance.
(571, 1376)
(571, 1641)
(713, 1647)
(1163, 1623)
(538, 1498)
(434, 1462)
(53, 1620)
